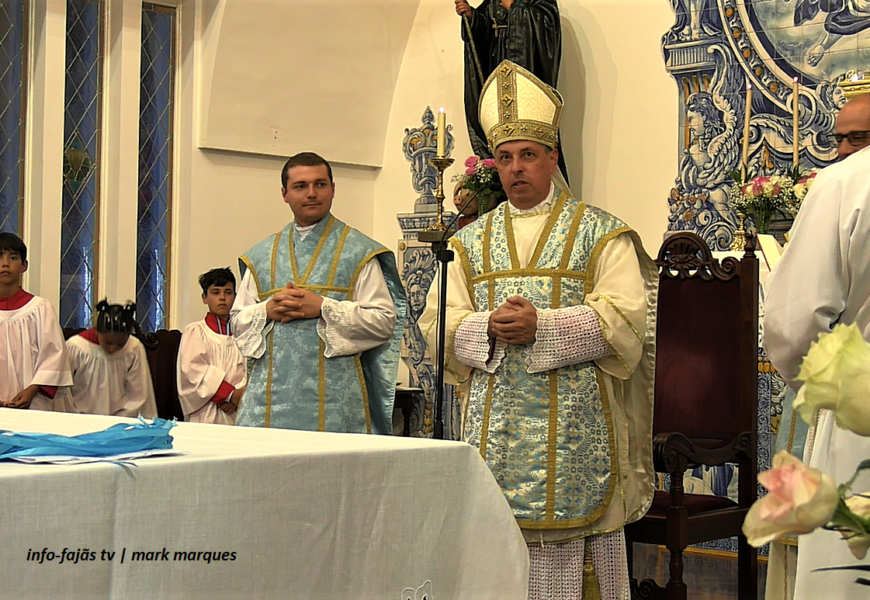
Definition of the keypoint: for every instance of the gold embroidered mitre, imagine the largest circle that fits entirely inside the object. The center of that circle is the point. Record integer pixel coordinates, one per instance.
(516, 105)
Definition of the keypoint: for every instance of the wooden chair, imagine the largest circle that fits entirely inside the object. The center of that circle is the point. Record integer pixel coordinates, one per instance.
(706, 396)
(161, 348)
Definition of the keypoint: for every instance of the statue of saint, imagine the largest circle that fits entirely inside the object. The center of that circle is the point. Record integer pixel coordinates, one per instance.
(527, 32)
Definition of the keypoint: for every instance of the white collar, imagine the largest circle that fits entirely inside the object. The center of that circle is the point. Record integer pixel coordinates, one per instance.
(541, 207)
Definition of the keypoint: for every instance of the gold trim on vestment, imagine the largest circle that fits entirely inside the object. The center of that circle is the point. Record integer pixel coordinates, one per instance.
(333, 268)
(312, 288)
(487, 261)
(487, 407)
(267, 417)
(365, 260)
(552, 446)
(291, 249)
(614, 475)
(566, 274)
(511, 239)
(321, 386)
(365, 392)
(462, 259)
(596, 253)
(544, 238)
(572, 236)
(253, 271)
(273, 264)
(791, 430)
(591, 588)
(623, 317)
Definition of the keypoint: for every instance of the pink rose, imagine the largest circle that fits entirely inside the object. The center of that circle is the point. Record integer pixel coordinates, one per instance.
(757, 189)
(761, 180)
(489, 163)
(470, 171)
(471, 161)
(799, 500)
(777, 190)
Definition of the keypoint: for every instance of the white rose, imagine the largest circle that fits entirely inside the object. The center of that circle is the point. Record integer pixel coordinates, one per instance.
(836, 376)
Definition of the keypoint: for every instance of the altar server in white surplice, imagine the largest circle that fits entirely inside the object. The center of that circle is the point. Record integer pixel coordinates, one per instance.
(211, 370)
(110, 369)
(824, 279)
(33, 360)
(550, 321)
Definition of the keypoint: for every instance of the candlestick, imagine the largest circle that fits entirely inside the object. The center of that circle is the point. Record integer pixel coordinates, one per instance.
(441, 163)
(747, 116)
(795, 120)
(441, 133)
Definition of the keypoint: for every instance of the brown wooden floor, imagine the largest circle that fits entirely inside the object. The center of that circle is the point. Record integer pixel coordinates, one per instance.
(708, 575)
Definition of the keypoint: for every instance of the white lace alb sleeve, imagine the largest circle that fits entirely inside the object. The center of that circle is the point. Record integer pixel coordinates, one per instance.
(566, 336)
(350, 327)
(473, 346)
(249, 320)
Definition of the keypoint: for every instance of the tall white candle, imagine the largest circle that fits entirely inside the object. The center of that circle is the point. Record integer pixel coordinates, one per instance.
(795, 120)
(746, 118)
(441, 133)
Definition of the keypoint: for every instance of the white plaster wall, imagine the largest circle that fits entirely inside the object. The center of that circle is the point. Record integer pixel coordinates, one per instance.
(620, 122)
(620, 136)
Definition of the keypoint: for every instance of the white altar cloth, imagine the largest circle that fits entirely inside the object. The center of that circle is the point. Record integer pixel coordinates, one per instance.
(307, 515)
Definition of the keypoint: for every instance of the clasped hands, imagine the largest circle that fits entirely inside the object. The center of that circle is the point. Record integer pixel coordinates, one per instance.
(293, 303)
(514, 322)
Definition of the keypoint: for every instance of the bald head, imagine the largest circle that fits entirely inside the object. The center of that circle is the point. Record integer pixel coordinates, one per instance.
(854, 118)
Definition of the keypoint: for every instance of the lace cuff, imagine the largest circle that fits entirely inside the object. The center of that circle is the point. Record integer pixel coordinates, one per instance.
(566, 336)
(333, 321)
(251, 326)
(472, 346)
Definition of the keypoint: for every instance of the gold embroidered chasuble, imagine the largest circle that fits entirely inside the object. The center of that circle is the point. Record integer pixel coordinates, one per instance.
(569, 447)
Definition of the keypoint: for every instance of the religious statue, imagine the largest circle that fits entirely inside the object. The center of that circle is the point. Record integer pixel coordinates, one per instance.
(526, 32)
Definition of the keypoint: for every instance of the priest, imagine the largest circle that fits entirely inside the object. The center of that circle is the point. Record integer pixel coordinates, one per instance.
(550, 322)
(320, 311)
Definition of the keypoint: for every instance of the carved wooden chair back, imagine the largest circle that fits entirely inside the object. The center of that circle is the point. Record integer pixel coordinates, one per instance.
(705, 403)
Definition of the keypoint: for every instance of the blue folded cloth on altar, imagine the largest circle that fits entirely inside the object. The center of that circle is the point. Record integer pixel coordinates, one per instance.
(123, 438)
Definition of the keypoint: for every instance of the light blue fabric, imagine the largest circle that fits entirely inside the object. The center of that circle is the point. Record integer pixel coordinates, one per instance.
(511, 412)
(293, 386)
(122, 438)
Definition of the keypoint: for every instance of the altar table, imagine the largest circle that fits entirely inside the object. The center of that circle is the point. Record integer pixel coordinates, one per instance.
(282, 514)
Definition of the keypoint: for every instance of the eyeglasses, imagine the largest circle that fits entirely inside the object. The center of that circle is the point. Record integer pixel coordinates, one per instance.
(856, 138)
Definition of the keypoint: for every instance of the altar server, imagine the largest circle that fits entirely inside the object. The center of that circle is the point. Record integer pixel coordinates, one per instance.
(33, 359)
(824, 279)
(110, 368)
(211, 370)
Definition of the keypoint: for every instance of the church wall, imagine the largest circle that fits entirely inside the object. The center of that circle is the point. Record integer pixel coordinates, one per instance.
(619, 128)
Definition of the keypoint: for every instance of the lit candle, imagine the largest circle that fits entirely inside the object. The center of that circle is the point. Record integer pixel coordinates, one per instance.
(441, 133)
(795, 118)
(747, 115)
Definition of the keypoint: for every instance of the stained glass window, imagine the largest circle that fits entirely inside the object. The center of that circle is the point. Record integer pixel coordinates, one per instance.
(81, 160)
(13, 54)
(155, 166)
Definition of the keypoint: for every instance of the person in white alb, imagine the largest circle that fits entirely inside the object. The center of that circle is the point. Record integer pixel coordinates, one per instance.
(33, 359)
(211, 370)
(110, 369)
(823, 279)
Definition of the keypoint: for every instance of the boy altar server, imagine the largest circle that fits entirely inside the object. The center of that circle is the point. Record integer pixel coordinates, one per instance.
(211, 370)
(33, 359)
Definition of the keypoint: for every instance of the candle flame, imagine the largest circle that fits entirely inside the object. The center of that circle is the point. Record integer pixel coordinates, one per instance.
(795, 79)
(748, 86)
(442, 109)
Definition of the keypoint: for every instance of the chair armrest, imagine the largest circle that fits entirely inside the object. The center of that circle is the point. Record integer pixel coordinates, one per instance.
(674, 453)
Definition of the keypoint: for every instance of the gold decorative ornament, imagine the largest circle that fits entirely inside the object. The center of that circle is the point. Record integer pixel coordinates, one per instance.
(441, 164)
(855, 83)
(739, 243)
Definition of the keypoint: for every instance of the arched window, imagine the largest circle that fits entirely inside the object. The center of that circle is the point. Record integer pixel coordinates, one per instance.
(13, 66)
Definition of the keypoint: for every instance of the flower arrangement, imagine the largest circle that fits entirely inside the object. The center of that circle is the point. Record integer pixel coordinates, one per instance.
(836, 376)
(481, 178)
(762, 197)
